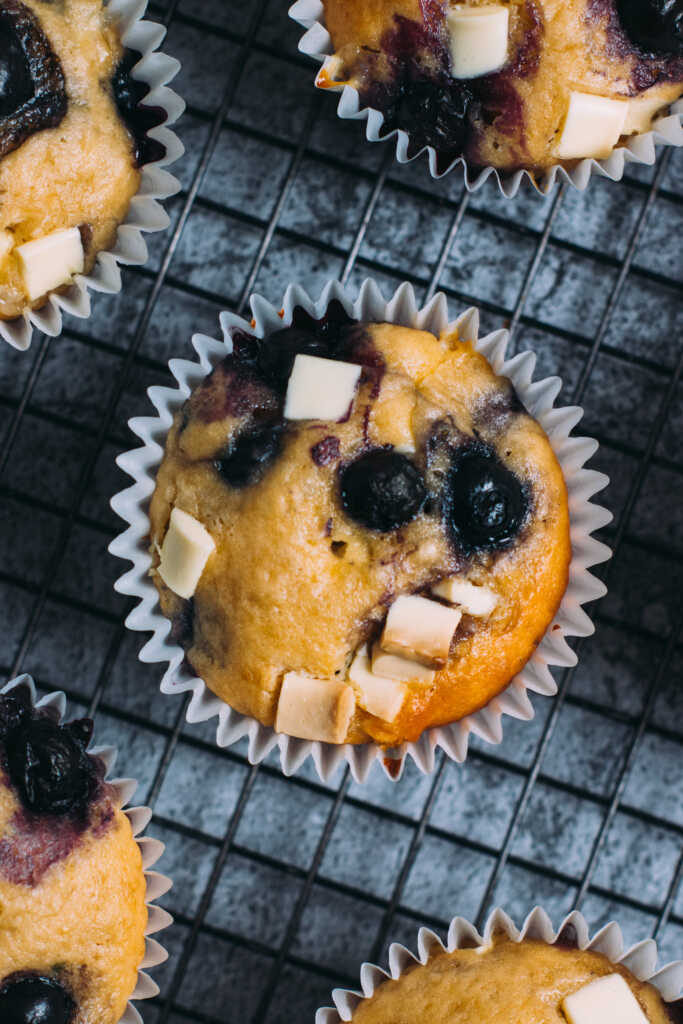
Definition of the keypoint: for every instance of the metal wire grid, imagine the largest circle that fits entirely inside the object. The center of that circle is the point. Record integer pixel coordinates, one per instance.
(280, 966)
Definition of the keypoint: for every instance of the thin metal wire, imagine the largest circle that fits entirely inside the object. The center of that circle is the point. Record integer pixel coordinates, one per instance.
(351, 256)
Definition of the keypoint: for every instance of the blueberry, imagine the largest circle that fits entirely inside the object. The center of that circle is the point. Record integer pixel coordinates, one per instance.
(129, 94)
(32, 999)
(49, 766)
(32, 87)
(249, 456)
(433, 113)
(382, 490)
(278, 352)
(488, 504)
(16, 84)
(655, 26)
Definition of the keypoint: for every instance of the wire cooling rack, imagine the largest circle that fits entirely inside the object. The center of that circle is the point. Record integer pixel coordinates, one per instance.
(282, 887)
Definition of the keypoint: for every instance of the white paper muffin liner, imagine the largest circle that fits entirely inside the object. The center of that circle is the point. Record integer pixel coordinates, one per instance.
(639, 149)
(150, 849)
(538, 396)
(145, 214)
(640, 960)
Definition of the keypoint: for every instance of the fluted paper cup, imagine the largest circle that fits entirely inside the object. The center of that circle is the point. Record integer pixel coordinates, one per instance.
(538, 396)
(639, 149)
(640, 960)
(150, 850)
(145, 214)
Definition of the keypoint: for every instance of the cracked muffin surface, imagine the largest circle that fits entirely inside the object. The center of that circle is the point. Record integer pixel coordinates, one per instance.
(72, 888)
(504, 982)
(431, 475)
(72, 141)
(505, 84)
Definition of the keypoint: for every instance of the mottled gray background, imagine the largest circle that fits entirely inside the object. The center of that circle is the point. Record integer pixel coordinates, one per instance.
(283, 887)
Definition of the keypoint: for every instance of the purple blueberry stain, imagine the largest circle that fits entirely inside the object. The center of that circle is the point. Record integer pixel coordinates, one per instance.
(326, 451)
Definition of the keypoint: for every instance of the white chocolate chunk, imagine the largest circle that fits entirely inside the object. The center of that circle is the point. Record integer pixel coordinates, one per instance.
(49, 262)
(314, 709)
(420, 629)
(393, 666)
(379, 695)
(320, 389)
(477, 601)
(184, 553)
(641, 113)
(478, 39)
(607, 1000)
(592, 127)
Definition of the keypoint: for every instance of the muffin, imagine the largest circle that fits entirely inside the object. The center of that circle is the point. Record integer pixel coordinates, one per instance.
(524, 84)
(357, 531)
(505, 982)
(73, 140)
(72, 888)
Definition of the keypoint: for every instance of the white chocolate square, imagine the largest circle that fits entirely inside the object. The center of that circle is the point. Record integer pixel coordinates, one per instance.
(393, 666)
(320, 389)
(420, 630)
(51, 261)
(478, 39)
(593, 126)
(477, 601)
(379, 695)
(607, 1000)
(184, 553)
(314, 709)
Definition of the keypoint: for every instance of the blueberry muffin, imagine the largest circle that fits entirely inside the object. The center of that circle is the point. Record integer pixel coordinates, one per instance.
(357, 530)
(72, 142)
(507, 982)
(72, 888)
(516, 84)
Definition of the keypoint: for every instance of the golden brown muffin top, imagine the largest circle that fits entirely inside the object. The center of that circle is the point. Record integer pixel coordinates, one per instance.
(70, 144)
(503, 983)
(397, 53)
(72, 888)
(300, 580)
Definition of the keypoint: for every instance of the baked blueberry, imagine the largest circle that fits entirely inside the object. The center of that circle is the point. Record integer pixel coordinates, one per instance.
(382, 490)
(278, 352)
(306, 336)
(49, 766)
(32, 89)
(139, 117)
(249, 456)
(655, 26)
(298, 582)
(512, 85)
(33, 999)
(488, 504)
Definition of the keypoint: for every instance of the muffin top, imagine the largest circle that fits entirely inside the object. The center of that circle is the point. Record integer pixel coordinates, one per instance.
(383, 529)
(72, 140)
(508, 982)
(517, 84)
(72, 889)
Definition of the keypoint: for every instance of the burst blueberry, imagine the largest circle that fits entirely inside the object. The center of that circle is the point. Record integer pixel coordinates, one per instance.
(250, 455)
(139, 117)
(49, 766)
(32, 88)
(655, 26)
